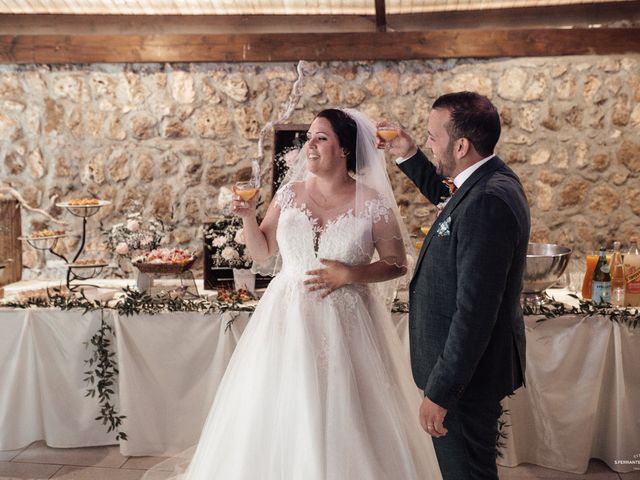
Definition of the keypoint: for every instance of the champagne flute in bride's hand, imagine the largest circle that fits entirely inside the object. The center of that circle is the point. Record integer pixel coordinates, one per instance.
(245, 190)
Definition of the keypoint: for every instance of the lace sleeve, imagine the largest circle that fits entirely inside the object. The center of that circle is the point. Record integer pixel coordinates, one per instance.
(379, 209)
(284, 197)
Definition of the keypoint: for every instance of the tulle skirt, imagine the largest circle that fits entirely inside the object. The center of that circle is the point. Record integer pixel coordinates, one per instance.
(317, 389)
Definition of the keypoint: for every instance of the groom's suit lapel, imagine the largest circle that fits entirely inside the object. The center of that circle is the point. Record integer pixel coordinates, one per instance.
(491, 166)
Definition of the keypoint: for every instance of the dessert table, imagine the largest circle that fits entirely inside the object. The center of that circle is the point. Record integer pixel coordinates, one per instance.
(581, 400)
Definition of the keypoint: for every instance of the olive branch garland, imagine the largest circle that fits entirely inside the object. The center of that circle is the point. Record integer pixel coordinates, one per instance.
(104, 368)
(553, 308)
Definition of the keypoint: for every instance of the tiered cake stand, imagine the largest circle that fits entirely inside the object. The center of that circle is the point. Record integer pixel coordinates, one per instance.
(77, 272)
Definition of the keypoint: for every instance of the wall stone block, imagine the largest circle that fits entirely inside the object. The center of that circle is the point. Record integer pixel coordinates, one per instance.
(621, 111)
(592, 92)
(144, 167)
(603, 200)
(119, 169)
(143, 126)
(182, 88)
(163, 202)
(566, 88)
(235, 87)
(540, 157)
(629, 155)
(632, 199)
(600, 162)
(512, 83)
(573, 193)
(538, 89)
(36, 164)
(115, 129)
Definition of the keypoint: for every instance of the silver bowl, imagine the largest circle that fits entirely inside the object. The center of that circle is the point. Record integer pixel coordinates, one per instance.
(546, 262)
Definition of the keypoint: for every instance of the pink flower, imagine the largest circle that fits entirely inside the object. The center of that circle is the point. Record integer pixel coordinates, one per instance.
(230, 254)
(239, 238)
(122, 248)
(219, 241)
(133, 225)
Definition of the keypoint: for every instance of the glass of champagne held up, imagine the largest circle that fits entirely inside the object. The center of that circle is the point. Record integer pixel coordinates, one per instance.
(387, 132)
(246, 190)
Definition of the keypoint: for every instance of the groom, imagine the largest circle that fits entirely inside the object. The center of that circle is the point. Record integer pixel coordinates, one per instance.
(465, 322)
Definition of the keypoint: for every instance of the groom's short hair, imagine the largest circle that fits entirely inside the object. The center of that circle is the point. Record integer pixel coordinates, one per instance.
(473, 117)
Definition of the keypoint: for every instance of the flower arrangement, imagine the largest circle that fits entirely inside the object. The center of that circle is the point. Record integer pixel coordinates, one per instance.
(224, 238)
(135, 236)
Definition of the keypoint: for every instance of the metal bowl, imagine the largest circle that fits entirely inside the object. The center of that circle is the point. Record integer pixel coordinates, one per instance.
(546, 262)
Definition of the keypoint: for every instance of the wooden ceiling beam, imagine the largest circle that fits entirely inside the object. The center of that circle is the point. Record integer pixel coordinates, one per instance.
(381, 16)
(53, 49)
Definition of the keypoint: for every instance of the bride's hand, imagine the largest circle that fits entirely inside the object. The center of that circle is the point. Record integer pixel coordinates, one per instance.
(336, 275)
(244, 208)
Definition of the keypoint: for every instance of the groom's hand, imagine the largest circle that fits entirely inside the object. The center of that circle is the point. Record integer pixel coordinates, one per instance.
(432, 418)
(402, 146)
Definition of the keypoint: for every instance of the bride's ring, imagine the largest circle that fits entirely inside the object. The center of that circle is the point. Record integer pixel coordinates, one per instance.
(429, 427)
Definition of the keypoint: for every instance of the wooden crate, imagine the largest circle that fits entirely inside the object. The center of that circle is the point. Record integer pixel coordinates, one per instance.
(10, 246)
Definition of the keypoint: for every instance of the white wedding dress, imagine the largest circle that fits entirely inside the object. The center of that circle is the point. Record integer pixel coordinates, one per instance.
(317, 389)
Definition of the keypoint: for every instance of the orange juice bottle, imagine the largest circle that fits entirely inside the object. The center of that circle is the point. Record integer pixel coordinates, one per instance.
(592, 261)
(632, 274)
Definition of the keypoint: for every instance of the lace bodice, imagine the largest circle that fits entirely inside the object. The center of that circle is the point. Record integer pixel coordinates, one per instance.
(303, 240)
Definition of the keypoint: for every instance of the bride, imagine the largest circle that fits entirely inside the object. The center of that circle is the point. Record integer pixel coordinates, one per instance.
(319, 386)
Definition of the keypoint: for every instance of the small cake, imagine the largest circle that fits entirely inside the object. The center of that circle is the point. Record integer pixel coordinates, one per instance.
(47, 233)
(78, 202)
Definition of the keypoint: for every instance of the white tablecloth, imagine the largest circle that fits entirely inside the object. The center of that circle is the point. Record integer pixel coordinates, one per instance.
(582, 399)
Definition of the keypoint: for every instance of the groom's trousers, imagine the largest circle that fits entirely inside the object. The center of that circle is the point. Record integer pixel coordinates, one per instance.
(468, 451)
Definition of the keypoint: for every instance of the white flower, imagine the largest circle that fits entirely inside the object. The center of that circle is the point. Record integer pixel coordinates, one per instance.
(146, 241)
(219, 241)
(239, 238)
(230, 254)
(122, 248)
(133, 225)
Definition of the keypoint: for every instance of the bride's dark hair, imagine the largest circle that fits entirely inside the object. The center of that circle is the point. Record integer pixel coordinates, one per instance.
(345, 128)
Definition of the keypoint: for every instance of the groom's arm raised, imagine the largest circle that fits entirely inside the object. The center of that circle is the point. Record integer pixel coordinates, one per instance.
(416, 166)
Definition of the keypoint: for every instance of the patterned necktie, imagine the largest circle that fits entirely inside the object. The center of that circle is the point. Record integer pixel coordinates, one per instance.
(449, 183)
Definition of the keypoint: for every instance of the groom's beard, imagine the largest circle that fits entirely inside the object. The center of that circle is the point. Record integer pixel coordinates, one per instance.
(446, 163)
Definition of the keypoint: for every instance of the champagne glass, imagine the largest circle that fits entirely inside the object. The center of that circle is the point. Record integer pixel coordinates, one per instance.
(246, 190)
(387, 132)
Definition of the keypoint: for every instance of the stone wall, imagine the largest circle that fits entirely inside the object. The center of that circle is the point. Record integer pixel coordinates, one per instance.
(167, 137)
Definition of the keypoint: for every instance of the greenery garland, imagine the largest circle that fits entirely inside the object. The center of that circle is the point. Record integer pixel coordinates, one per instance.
(103, 367)
(551, 308)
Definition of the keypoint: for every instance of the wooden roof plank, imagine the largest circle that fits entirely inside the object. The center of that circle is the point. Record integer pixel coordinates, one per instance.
(317, 46)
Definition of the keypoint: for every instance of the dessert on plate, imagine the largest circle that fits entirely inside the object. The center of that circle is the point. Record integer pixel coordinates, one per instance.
(47, 233)
(83, 202)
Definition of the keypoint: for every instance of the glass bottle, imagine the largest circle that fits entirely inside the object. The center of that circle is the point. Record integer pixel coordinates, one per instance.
(632, 274)
(617, 277)
(601, 283)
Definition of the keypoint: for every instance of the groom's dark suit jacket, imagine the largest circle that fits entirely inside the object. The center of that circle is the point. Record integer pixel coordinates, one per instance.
(465, 321)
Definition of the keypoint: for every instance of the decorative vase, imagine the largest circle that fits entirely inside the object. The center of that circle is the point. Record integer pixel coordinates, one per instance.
(244, 278)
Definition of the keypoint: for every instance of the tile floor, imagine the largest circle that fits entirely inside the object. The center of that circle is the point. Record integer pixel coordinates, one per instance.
(39, 462)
